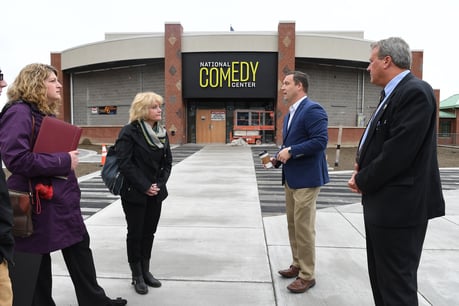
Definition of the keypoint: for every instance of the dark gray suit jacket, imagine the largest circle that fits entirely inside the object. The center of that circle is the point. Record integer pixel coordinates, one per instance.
(399, 176)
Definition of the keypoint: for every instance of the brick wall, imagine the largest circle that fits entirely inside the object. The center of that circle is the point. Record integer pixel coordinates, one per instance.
(286, 62)
(175, 108)
(100, 134)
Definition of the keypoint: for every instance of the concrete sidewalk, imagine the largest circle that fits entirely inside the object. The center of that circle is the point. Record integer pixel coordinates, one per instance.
(214, 248)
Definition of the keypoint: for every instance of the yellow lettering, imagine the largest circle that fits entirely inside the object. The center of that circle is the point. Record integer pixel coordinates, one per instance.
(212, 75)
(234, 71)
(225, 76)
(203, 79)
(245, 68)
(254, 70)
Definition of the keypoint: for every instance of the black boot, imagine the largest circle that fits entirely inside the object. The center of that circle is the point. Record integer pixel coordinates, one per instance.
(150, 280)
(137, 278)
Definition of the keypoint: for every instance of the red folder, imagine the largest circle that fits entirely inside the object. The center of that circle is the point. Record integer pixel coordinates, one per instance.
(57, 136)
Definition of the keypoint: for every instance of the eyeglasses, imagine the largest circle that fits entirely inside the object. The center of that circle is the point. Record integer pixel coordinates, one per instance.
(1, 76)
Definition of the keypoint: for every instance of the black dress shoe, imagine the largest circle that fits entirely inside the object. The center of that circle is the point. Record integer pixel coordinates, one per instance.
(118, 302)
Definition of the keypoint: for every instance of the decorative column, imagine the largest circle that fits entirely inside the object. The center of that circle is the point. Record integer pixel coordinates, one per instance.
(174, 107)
(286, 62)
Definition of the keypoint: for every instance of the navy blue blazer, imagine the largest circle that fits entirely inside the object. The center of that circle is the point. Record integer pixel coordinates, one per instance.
(308, 138)
(399, 176)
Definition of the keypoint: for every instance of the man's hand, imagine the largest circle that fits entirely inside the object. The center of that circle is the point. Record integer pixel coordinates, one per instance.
(153, 190)
(283, 156)
(351, 182)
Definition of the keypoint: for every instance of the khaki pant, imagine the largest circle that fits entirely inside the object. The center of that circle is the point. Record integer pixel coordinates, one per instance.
(301, 219)
(6, 293)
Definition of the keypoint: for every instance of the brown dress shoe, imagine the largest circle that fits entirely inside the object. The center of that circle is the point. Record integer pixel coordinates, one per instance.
(300, 285)
(290, 272)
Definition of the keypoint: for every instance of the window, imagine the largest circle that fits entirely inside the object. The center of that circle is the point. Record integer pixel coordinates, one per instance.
(445, 128)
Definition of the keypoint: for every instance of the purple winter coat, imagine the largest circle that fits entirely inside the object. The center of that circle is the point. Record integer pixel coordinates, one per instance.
(59, 224)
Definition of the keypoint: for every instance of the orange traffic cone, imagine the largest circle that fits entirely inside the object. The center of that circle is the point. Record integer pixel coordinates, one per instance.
(104, 155)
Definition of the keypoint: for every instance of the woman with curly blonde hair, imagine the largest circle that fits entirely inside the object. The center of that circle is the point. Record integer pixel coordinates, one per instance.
(30, 86)
(57, 220)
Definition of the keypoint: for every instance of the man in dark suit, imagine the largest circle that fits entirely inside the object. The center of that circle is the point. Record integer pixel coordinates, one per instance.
(304, 171)
(397, 174)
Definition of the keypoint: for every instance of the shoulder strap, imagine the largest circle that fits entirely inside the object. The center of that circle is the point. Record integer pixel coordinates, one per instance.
(11, 103)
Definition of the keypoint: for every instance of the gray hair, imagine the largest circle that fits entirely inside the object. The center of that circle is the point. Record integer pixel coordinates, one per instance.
(397, 49)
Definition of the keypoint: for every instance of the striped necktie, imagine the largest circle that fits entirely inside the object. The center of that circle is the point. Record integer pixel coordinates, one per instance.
(381, 99)
(382, 96)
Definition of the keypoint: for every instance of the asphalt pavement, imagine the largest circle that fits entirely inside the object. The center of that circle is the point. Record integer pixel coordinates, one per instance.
(214, 247)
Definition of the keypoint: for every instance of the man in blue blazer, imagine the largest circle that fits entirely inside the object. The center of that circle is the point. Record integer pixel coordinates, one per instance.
(397, 174)
(304, 171)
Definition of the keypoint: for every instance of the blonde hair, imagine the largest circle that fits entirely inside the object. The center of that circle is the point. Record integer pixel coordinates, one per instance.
(30, 86)
(142, 101)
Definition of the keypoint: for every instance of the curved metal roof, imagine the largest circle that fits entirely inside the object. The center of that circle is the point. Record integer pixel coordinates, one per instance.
(345, 46)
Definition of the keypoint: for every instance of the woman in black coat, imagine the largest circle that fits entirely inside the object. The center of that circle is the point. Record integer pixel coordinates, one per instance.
(145, 160)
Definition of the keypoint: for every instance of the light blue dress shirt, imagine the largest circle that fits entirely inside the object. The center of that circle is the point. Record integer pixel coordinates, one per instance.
(388, 90)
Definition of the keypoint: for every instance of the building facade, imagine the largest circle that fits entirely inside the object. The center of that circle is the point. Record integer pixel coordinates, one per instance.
(449, 121)
(218, 87)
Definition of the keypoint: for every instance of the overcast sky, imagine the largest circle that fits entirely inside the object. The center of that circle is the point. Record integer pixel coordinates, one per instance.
(31, 29)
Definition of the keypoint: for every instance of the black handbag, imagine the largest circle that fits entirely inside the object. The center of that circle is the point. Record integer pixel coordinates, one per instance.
(110, 173)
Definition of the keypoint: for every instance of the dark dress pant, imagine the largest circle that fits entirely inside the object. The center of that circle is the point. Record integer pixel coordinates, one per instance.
(80, 264)
(142, 221)
(393, 256)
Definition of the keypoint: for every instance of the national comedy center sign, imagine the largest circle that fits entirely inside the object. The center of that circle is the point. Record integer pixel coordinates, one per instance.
(229, 75)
